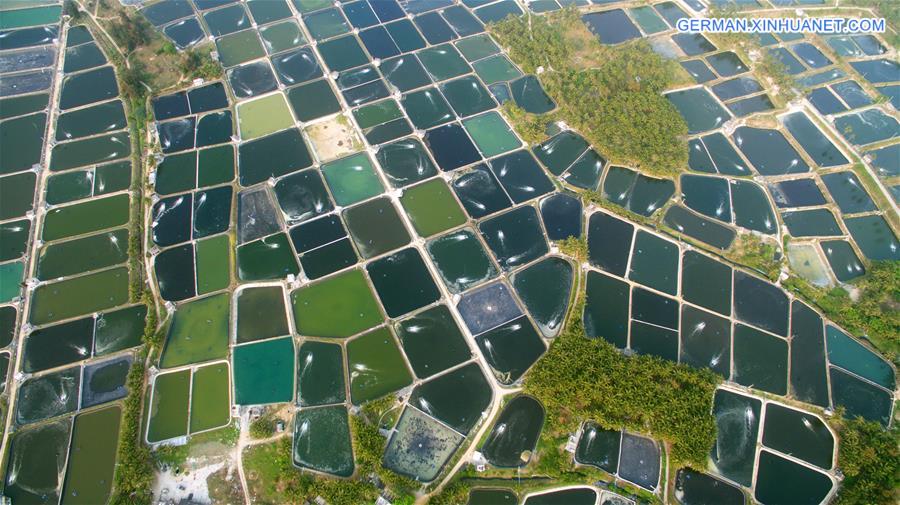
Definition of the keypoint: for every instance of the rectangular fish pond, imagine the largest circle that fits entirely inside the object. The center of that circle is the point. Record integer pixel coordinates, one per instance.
(188, 402)
(92, 457)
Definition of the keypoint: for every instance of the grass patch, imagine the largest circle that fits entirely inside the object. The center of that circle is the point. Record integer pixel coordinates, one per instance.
(175, 456)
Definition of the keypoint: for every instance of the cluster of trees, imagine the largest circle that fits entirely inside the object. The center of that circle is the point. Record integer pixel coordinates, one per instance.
(869, 457)
(535, 41)
(581, 378)
(70, 8)
(130, 32)
(874, 313)
(455, 493)
(197, 63)
(264, 427)
(752, 251)
(368, 448)
(575, 248)
(531, 127)
(890, 10)
(612, 96)
(134, 470)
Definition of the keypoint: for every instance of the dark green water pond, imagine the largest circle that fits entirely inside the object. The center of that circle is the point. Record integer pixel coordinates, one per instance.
(119, 329)
(79, 295)
(515, 237)
(458, 398)
(320, 374)
(485, 496)
(813, 141)
(654, 262)
(73, 257)
(874, 237)
(760, 360)
(461, 260)
(572, 496)
(606, 309)
(22, 139)
(515, 433)
(53, 346)
(705, 340)
(700, 228)
(737, 422)
(88, 87)
(37, 457)
(376, 227)
(799, 434)
(699, 109)
(511, 349)
(89, 151)
(545, 289)
(49, 395)
(322, 440)
(403, 282)
(769, 151)
(760, 303)
(695, 488)
(635, 191)
(432, 341)
(807, 486)
(859, 397)
(808, 366)
(267, 259)
(86, 217)
(598, 447)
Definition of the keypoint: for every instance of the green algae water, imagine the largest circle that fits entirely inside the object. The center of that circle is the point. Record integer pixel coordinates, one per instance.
(210, 405)
(92, 457)
(86, 217)
(376, 366)
(169, 407)
(340, 306)
(199, 332)
(79, 295)
(261, 314)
